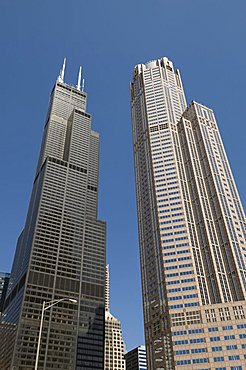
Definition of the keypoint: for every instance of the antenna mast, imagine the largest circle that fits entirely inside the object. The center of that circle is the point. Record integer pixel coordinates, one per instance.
(62, 71)
(78, 86)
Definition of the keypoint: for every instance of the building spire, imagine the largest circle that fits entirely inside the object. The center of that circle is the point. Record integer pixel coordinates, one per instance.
(62, 71)
(83, 85)
(78, 86)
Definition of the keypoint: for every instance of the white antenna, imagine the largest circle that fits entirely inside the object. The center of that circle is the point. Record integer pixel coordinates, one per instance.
(83, 84)
(79, 79)
(63, 69)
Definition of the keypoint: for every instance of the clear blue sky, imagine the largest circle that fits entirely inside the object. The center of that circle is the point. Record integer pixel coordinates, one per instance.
(205, 40)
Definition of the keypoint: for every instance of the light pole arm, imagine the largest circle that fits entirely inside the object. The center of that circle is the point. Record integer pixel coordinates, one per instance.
(46, 306)
(53, 303)
(39, 336)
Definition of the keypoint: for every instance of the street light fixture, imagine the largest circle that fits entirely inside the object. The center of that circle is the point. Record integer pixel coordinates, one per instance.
(46, 306)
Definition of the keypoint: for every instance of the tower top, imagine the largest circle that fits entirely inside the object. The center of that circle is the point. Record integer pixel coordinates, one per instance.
(80, 81)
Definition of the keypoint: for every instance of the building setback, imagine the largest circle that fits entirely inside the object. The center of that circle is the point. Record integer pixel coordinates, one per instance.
(136, 359)
(191, 229)
(61, 251)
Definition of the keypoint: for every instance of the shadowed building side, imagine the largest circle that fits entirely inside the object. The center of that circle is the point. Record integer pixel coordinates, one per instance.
(4, 282)
(136, 359)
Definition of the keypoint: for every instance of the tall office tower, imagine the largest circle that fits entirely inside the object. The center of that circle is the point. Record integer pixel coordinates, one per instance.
(191, 229)
(114, 357)
(136, 359)
(4, 282)
(60, 253)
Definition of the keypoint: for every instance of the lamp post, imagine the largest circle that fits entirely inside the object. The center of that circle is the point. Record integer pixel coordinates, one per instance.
(46, 306)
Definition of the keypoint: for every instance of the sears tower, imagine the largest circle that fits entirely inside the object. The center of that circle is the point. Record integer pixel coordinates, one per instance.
(60, 254)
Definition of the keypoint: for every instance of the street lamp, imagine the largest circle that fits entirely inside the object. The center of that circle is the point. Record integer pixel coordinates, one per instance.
(46, 306)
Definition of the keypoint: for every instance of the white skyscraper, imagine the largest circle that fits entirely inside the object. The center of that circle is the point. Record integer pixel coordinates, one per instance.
(114, 345)
(191, 229)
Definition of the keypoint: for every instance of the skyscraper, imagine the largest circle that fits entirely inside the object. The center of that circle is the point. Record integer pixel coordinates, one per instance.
(191, 229)
(136, 359)
(60, 253)
(114, 345)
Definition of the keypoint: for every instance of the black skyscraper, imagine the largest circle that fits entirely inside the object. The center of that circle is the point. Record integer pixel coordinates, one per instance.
(61, 250)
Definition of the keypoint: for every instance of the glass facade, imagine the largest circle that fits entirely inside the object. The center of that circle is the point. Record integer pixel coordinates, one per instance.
(61, 251)
(136, 359)
(4, 282)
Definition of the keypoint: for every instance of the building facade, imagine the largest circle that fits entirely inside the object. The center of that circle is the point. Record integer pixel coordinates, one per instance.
(191, 229)
(114, 358)
(60, 253)
(136, 359)
(4, 282)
